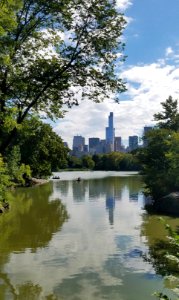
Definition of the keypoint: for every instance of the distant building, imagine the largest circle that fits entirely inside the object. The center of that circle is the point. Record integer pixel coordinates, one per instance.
(94, 145)
(146, 130)
(78, 143)
(133, 142)
(102, 147)
(110, 134)
(85, 149)
(78, 146)
(117, 144)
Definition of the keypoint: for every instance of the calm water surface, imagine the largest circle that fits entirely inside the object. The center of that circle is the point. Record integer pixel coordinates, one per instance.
(79, 240)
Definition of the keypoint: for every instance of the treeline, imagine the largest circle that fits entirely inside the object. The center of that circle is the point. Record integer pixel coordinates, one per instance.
(114, 161)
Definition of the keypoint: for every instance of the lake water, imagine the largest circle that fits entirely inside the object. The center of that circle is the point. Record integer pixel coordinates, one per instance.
(79, 240)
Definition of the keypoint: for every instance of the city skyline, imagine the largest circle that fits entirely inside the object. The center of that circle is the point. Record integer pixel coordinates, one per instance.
(109, 135)
(151, 71)
(111, 143)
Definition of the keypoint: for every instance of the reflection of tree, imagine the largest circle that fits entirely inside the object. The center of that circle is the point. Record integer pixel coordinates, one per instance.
(26, 291)
(30, 223)
(63, 186)
(159, 245)
(31, 220)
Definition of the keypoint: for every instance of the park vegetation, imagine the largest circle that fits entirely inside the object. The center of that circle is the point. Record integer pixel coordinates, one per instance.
(160, 158)
(114, 161)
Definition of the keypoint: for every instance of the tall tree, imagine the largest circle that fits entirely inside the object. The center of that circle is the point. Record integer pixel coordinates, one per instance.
(55, 53)
(169, 117)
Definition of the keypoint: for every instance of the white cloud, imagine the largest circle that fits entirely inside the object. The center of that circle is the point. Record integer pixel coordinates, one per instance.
(148, 86)
(169, 51)
(123, 4)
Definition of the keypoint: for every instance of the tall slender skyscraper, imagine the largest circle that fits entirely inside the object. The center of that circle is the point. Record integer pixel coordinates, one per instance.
(110, 133)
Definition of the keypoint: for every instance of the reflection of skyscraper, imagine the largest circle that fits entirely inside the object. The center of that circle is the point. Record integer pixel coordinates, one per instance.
(110, 205)
(110, 133)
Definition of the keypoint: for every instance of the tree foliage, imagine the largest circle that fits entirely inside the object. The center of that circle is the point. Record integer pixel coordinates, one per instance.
(19, 173)
(41, 148)
(114, 161)
(4, 180)
(164, 256)
(169, 118)
(8, 9)
(54, 53)
(160, 158)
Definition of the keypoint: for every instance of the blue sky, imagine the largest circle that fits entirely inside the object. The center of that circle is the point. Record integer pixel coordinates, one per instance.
(153, 28)
(151, 71)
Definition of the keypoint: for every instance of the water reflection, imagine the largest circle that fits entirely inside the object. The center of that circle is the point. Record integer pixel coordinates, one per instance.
(30, 224)
(110, 205)
(159, 246)
(133, 196)
(95, 255)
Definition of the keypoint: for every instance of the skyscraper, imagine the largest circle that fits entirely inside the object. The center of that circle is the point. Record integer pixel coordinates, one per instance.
(93, 144)
(117, 143)
(110, 133)
(146, 130)
(78, 143)
(133, 142)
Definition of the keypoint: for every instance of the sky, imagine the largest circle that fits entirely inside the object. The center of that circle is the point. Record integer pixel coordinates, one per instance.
(151, 73)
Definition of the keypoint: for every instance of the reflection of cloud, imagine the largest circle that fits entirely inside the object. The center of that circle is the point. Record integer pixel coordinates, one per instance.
(87, 254)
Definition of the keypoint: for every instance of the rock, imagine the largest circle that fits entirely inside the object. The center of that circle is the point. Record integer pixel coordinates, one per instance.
(168, 204)
(37, 181)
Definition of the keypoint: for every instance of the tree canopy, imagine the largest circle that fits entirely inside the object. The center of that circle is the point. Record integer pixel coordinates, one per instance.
(53, 53)
(169, 117)
(40, 148)
(160, 158)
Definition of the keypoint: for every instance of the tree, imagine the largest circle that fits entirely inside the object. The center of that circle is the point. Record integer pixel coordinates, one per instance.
(74, 162)
(8, 9)
(88, 162)
(160, 158)
(117, 161)
(155, 164)
(169, 118)
(55, 53)
(41, 148)
(4, 180)
(18, 173)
